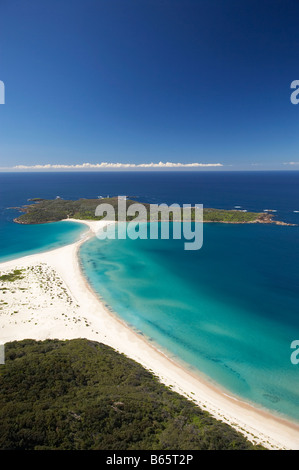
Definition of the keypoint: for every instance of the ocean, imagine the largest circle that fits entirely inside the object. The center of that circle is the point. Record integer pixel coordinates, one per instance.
(228, 311)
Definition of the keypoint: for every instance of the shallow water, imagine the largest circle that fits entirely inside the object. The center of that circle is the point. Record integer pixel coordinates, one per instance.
(229, 310)
(23, 240)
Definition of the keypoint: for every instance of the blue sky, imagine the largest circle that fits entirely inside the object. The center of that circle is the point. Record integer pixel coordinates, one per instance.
(139, 82)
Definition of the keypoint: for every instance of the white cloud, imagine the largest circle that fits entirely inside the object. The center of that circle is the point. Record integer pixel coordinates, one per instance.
(291, 163)
(104, 165)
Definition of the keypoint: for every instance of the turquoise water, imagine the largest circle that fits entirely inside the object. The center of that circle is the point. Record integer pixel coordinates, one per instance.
(22, 240)
(229, 310)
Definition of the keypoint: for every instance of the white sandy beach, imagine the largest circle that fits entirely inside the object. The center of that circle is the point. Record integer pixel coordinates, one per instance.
(53, 300)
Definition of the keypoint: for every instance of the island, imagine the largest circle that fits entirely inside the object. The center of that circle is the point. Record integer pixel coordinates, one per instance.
(54, 210)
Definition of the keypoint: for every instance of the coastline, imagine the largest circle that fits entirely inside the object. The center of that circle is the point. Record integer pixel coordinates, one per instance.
(103, 326)
(34, 213)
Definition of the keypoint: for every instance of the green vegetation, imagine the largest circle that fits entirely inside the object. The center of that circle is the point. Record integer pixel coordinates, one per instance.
(58, 209)
(81, 394)
(13, 276)
(233, 216)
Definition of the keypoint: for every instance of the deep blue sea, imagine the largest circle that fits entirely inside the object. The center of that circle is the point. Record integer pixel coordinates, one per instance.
(229, 310)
